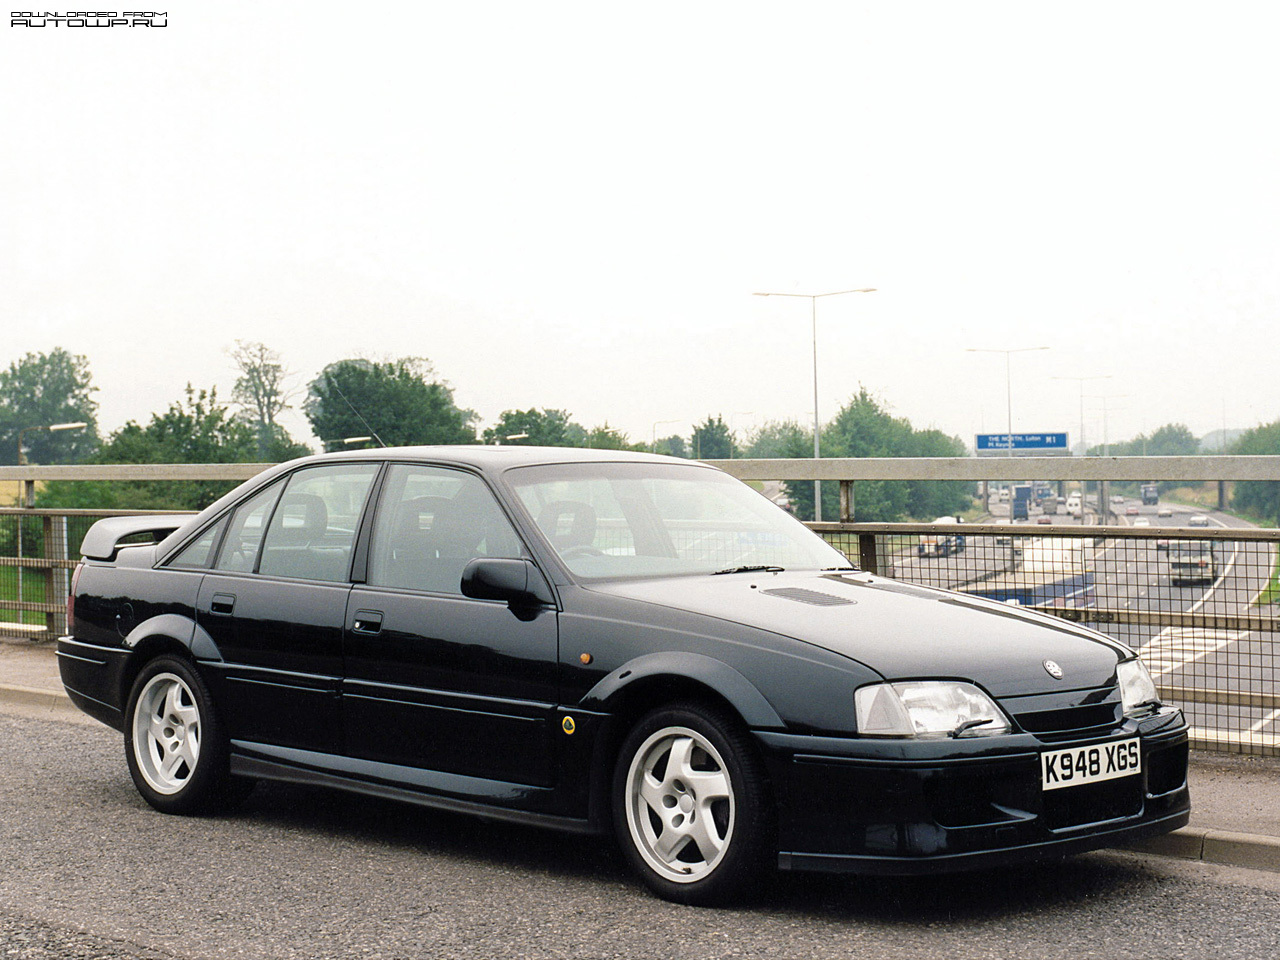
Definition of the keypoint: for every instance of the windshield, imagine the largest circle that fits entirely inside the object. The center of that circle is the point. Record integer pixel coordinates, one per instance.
(622, 520)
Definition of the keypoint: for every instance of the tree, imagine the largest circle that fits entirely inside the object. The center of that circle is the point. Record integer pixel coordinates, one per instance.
(712, 440)
(780, 439)
(604, 437)
(40, 390)
(398, 402)
(197, 429)
(864, 428)
(672, 446)
(263, 391)
(541, 428)
(1259, 497)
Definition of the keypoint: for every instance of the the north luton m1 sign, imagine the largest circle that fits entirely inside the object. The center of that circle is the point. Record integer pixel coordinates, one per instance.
(1024, 444)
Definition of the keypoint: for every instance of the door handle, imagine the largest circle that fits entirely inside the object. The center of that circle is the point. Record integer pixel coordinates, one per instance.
(367, 622)
(223, 603)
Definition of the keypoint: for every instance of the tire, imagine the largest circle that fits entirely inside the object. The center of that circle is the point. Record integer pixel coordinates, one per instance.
(691, 806)
(177, 752)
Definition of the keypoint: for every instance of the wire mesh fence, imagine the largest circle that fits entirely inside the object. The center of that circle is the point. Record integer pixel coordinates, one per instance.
(1201, 604)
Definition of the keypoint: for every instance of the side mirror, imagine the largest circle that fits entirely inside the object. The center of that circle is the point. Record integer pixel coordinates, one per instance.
(517, 582)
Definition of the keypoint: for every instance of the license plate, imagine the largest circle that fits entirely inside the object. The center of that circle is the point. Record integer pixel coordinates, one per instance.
(1081, 765)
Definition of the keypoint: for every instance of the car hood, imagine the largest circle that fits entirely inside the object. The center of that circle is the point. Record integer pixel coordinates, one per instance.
(900, 630)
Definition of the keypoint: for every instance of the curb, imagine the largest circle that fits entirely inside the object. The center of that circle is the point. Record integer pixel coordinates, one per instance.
(54, 701)
(1247, 850)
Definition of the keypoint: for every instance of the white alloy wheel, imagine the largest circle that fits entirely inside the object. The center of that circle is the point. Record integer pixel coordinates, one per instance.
(166, 733)
(680, 804)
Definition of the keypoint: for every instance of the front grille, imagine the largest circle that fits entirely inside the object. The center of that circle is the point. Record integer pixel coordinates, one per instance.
(1069, 715)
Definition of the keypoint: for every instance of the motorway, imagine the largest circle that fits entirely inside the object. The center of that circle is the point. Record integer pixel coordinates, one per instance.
(1135, 574)
(91, 872)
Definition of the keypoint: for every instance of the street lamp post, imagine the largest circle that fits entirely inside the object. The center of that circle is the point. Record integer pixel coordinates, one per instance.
(1008, 387)
(653, 444)
(1081, 381)
(813, 313)
(51, 428)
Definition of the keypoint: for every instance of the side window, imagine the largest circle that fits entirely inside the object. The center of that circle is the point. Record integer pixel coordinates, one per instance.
(199, 552)
(313, 528)
(239, 550)
(431, 523)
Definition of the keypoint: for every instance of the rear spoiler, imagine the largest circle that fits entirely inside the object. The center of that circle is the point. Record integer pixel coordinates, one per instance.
(103, 540)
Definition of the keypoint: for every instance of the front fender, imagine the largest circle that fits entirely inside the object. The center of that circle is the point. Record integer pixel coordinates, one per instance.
(750, 704)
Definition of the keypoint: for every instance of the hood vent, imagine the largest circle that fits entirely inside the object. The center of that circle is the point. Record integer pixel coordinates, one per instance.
(814, 597)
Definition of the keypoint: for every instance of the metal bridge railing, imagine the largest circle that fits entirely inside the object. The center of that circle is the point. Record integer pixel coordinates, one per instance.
(1201, 604)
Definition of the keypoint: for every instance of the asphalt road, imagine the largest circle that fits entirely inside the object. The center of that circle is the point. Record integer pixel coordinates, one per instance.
(91, 872)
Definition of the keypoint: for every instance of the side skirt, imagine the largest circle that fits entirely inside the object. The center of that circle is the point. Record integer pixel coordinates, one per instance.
(383, 780)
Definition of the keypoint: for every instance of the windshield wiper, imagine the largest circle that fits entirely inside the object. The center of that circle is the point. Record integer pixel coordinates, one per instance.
(751, 568)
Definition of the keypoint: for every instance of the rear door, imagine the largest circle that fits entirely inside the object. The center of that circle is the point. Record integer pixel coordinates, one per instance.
(275, 603)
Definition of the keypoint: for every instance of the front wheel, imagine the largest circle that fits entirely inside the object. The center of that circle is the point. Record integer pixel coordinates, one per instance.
(691, 804)
(175, 747)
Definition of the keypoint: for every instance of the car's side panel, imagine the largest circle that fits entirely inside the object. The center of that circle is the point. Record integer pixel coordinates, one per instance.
(281, 647)
(451, 684)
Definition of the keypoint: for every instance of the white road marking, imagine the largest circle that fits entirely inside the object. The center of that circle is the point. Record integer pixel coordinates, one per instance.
(1175, 647)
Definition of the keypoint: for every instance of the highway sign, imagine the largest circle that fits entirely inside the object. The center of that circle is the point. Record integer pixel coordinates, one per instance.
(1024, 444)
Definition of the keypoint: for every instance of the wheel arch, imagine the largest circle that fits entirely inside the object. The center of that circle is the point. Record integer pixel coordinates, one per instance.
(652, 680)
(166, 634)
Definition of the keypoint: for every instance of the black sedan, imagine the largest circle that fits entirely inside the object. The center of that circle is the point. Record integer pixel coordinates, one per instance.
(597, 641)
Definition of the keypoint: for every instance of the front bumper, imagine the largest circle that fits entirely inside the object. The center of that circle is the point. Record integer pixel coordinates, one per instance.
(913, 807)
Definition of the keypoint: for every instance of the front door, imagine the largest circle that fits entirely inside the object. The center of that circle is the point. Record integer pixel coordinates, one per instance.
(433, 679)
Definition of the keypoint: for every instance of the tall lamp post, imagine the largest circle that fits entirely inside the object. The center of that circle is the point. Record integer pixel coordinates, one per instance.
(52, 428)
(653, 444)
(1008, 386)
(813, 313)
(1081, 381)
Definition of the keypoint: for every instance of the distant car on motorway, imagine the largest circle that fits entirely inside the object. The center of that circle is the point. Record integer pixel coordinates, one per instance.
(1198, 520)
(1044, 518)
(1131, 510)
(1164, 511)
(1142, 522)
(1117, 498)
(613, 644)
(1192, 561)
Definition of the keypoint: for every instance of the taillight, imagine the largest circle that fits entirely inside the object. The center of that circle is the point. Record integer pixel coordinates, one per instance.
(71, 598)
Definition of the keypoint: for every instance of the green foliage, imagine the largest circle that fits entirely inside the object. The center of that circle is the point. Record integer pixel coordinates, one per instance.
(398, 401)
(604, 437)
(712, 440)
(1260, 497)
(1171, 440)
(40, 390)
(780, 439)
(672, 446)
(196, 430)
(864, 428)
(543, 428)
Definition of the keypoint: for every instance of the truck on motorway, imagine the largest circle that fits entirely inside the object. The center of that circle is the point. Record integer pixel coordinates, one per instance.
(943, 542)
(1020, 508)
(1053, 573)
(1150, 494)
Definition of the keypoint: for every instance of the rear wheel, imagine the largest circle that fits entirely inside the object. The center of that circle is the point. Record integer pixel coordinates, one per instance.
(691, 805)
(177, 753)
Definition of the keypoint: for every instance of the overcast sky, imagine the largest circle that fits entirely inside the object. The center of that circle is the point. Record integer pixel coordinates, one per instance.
(569, 205)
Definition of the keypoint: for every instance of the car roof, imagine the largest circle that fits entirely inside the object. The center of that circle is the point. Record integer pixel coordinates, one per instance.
(494, 457)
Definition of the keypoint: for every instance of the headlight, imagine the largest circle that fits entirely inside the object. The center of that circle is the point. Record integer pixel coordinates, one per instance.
(927, 708)
(1137, 689)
